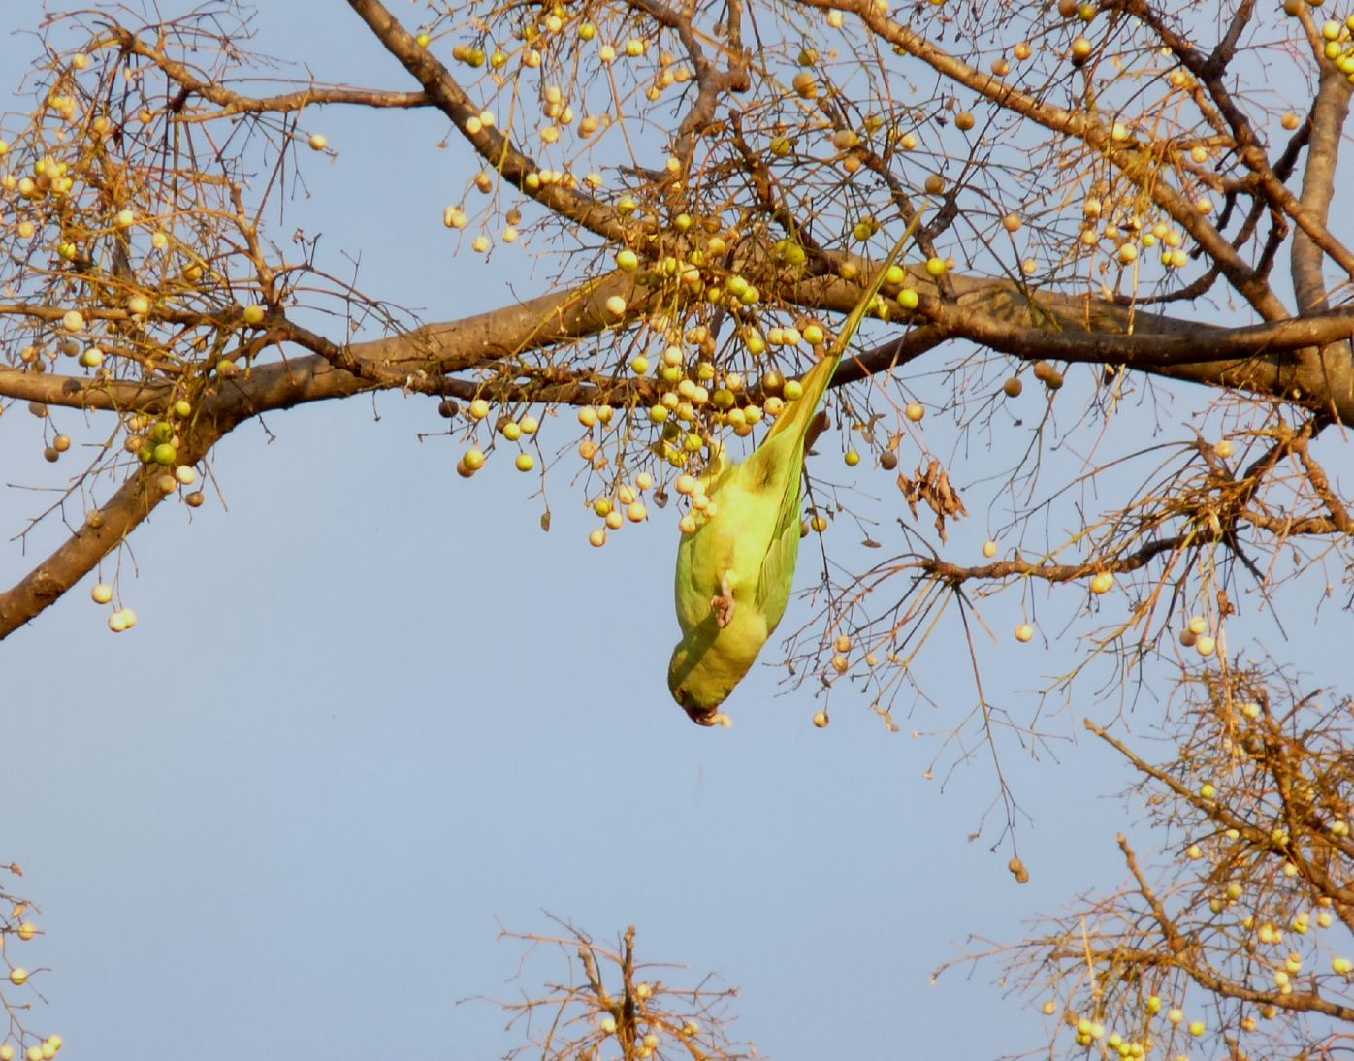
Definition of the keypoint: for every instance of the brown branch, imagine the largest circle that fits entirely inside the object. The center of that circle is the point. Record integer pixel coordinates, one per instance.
(1169, 931)
(890, 355)
(1001, 315)
(712, 82)
(78, 392)
(1316, 475)
(234, 103)
(1219, 812)
(1330, 109)
(1140, 557)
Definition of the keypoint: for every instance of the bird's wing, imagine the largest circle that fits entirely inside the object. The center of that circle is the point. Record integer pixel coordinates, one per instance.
(782, 550)
(777, 468)
(781, 454)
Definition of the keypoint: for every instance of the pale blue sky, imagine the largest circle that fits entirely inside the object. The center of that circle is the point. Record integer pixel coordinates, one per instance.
(373, 712)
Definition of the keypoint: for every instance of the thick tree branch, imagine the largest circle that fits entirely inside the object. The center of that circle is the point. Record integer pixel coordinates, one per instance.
(994, 313)
(1329, 113)
(999, 314)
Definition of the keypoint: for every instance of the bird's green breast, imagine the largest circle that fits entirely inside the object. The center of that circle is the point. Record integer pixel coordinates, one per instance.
(747, 533)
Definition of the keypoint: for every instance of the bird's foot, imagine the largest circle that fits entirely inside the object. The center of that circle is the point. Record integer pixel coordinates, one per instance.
(721, 604)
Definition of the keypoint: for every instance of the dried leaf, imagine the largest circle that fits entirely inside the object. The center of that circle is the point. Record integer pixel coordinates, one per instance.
(932, 485)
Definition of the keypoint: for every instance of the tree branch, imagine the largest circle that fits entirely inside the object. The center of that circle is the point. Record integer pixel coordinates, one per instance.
(234, 103)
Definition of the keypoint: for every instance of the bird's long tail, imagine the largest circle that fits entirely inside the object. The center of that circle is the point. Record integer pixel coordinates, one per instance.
(801, 412)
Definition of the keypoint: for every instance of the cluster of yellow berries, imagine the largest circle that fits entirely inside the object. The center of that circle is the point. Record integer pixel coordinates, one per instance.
(1338, 45)
(1196, 635)
(53, 181)
(1089, 1031)
(649, 1043)
(43, 1051)
(556, 27)
(122, 619)
(625, 506)
(156, 444)
(695, 399)
(841, 663)
(18, 976)
(511, 430)
(1337, 37)
(1129, 233)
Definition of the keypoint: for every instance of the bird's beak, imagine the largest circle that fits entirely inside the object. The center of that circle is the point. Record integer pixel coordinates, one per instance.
(702, 716)
(709, 717)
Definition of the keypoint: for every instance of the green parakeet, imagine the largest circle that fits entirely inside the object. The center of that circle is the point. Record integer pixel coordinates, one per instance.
(735, 570)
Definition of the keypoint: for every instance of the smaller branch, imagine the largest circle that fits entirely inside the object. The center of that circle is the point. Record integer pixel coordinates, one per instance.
(711, 81)
(234, 103)
(1320, 481)
(954, 574)
(1169, 931)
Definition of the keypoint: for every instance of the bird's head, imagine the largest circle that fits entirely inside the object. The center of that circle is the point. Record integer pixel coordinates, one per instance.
(700, 706)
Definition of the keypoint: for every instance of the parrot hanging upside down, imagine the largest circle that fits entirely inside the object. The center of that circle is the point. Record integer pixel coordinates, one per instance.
(735, 570)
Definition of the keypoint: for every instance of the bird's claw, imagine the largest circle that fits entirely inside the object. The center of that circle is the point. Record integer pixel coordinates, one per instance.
(721, 604)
